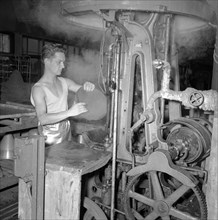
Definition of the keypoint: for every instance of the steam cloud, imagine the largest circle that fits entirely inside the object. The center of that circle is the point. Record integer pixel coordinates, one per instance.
(84, 67)
(47, 14)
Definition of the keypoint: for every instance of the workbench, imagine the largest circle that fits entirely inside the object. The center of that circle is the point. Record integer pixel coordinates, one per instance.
(49, 178)
(65, 164)
(16, 117)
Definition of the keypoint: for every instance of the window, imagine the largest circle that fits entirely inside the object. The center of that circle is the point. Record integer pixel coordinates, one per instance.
(5, 43)
(31, 46)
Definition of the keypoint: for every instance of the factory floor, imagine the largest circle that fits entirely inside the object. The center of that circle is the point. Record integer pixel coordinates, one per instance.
(8, 192)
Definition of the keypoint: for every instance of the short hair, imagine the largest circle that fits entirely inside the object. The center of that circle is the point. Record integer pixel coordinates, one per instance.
(50, 49)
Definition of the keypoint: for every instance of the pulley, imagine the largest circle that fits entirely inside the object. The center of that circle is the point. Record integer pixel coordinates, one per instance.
(189, 138)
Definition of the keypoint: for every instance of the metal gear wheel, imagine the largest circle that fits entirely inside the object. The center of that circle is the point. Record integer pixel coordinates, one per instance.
(157, 195)
(93, 211)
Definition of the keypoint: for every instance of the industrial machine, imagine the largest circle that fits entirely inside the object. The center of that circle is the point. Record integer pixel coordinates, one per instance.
(160, 152)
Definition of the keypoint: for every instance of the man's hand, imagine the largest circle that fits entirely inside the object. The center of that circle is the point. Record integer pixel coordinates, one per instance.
(77, 109)
(88, 86)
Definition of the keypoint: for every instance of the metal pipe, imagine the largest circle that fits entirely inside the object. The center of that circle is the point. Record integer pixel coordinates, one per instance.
(108, 207)
(166, 51)
(174, 107)
(116, 96)
(210, 98)
(215, 63)
(112, 115)
(111, 53)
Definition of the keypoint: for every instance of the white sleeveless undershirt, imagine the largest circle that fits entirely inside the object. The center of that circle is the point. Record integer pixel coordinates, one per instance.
(57, 132)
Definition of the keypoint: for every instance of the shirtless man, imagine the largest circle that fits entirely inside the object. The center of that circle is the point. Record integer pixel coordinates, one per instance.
(49, 96)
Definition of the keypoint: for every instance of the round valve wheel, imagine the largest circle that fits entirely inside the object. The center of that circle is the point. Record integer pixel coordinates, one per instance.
(196, 99)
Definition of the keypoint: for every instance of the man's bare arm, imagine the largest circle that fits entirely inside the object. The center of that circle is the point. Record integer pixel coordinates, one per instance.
(51, 118)
(72, 86)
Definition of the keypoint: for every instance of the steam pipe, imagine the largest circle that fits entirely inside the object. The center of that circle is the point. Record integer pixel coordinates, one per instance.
(116, 94)
(210, 96)
(166, 51)
(174, 108)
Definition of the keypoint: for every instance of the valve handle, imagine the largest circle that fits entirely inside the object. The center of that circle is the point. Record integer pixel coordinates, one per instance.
(196, 99)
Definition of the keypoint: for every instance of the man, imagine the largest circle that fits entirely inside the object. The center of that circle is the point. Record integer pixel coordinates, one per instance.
(49, 96)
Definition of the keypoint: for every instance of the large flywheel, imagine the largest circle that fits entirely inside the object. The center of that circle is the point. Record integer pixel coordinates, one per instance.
(164, 193)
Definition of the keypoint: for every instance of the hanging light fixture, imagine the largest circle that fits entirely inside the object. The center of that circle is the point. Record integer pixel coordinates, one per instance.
(7, 147)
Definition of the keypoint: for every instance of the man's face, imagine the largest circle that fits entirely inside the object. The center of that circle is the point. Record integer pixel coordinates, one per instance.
(55, 64)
